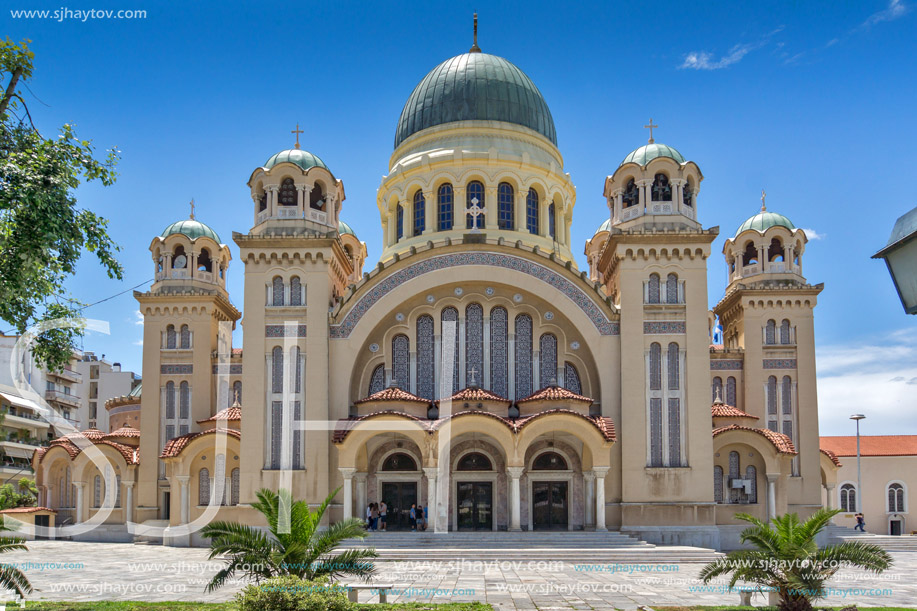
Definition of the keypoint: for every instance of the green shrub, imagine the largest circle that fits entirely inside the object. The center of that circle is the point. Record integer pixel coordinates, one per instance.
(290, 593)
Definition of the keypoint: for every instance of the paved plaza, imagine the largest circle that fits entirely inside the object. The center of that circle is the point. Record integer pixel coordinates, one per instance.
(65, 570)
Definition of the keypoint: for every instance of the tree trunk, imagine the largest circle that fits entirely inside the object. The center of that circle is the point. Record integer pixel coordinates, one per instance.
(10, 90)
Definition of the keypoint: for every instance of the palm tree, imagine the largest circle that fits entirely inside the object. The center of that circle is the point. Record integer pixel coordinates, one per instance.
(786, 559)
(12, 578)
(294, 545)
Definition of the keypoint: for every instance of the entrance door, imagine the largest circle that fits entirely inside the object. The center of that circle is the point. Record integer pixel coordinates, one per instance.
(549, 505)
(398, 497)
(894, 527)
(42, 521)
(166, 505)
(475, 505)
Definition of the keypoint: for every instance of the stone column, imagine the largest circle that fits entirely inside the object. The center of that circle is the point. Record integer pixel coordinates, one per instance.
(430, 220)
(600, 473)
(515, 498)
(521, 212)
(589, 481)
(829, 490)
(360, 478)
(185, 509)
(407, 216)
(772, 495)
(430, 473)
(301, 202)
(348, 472)
(618, 206)
(492, 209)
(79, 501)
(272, 200)
(543, 228)
(129, 506)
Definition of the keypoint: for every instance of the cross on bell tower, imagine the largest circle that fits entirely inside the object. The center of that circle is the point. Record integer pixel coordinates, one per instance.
(297, 131)
(650, 127)
(474, 47)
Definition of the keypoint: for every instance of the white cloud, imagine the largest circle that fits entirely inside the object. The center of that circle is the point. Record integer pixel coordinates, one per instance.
(138, 317)
(812, 234)
(704, 60)
(894, 10)
(139, 342)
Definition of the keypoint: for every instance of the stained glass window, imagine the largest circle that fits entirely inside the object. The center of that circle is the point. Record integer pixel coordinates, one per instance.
(673, 366)
(655, 432)
(751, 474)
(287, 192)
(234, 484)
(549, 461)
(523, 356)
(401, 361)
(474, 461)
(848, 498)
(399, 461)
(170, 400)
(770, 333)
(450, 314)
(571, 378)
(277, 290)
(552, 230)
(674, 432)
(276, 432)
(717, 388)
(772, 396)
(277, 369)
(117, 491)
(475, 190)
(671, 289)
(734, 493)
(377, 379)
(785, 332)
(97, 491)
(499, 361)
(506, 209)
(203, 487)
(531, 211)
(297, 435)
(420, 212)
(786, 396)
(170, 337)
(425, 357)
(474, 343)
(653, 289)
(295, 291)
(731, 391)
(399, 212)
(655, 366)
(446, 210)
(895, 498)
(184, 401)
(297, 359)
(547, 366)
(718, 484)
(185, 337)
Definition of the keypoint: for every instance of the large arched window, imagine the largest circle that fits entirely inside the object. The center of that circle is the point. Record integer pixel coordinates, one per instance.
(295, 291)
(401, 361)
(446, 207)
(399, 461)
(420, 212)
(277, 369)
(655, 366)
(377, 379)
(262, 202)
(775, 251)
(896, 498)
(674, 382)
(547, 354)
(523, 356)
(425, 357)
(204, 263)
(631, 195)
(532, 212)
(171, 337)
(203, 487)
(671, 288)
(770, 333)
(653, 289)
(552, 229)
(785, 331)
(655, 408)
(506, 206)
(287, 193)
(499, 361)
(772, 403)
(184, 408)
(718, 389)
(474, 344)
(185, 337)
(750, 256)
(399, 213)
(450, 315)
(236, 392)
(549, 461)
(848, 498)
(474, 461)
(474, 191)
(170, 406)
(571, 378)
(277, 291)
(317, 197)
(662, 190)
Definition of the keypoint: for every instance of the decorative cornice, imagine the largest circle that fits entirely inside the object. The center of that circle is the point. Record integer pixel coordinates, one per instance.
(282, 331)
(664, 327)
(779, 363)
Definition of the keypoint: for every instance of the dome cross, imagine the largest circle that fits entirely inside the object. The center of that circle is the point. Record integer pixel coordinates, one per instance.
(192, 208)
(650, 127)
(474, 47)
(297, 131)
(763, 197)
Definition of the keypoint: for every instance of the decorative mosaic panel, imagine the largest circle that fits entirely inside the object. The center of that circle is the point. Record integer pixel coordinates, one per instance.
(280, 331)
(401, 361)
(425, 357)
(726, 365)
(571, 379)
(523, 355)
(779, 363)
(664, 327)
(176, 370)
(434, 264)
(228, 368)
(547, 348)
(674, 432)
(655, 432)
(450, 314)
(377, 380)
(474, 343)
(499, 361)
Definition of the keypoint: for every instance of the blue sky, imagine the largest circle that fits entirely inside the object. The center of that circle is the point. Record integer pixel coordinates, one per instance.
(813, 101)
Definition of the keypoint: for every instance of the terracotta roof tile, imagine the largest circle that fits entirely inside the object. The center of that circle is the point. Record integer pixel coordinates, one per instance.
(345, 425)
(125, 431)
(780, 441)
(230, 413)
(871, 445)
(175, 446)
(91, 434)
(721, 410)
(392, 393)
(237, 351)
(555, 393)
(832, 456)
(131, 455)
(476, 394)
(606, 426)
(27, 510)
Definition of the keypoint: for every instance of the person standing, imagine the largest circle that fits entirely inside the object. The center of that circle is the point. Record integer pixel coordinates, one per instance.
(413, 517)
(369, 517)
(374, 517)
(383, 511)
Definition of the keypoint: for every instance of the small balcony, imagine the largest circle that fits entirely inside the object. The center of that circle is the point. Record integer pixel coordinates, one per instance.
(62, 398)
(775, 267)
(67, 374)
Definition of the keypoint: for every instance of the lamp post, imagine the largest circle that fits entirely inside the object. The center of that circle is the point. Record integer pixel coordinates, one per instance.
(900, 256)
(859, 496)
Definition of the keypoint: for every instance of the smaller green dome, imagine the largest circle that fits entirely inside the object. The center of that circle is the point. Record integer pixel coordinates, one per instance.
(137, 391)
(193, 229)
(763, 221)
(303, 159)
(345, 228)
(647, 153)
(606, 226)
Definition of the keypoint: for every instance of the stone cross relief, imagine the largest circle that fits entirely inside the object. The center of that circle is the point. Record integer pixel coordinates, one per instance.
(475, 211)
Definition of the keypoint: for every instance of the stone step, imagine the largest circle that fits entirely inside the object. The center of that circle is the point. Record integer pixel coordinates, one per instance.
(572, 556)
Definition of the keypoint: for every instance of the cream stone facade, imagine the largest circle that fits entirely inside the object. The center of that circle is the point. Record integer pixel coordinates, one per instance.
(474, 369)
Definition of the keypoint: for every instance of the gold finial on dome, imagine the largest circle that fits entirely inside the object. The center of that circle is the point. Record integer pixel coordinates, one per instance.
(296, 131)
(763, 196)
(650, 127)
(475, 48)
(192, 209)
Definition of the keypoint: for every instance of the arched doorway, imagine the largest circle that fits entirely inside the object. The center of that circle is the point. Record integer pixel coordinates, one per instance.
(474, 495)
(551, 479)
(399, 488)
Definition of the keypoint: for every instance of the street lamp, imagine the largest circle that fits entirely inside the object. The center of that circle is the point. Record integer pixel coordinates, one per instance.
(900, 256)
(859, 496)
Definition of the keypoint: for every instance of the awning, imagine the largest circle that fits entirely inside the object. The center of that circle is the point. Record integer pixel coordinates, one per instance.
(20, 402)
(17, 452)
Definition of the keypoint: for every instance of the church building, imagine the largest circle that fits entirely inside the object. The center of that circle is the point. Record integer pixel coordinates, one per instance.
(473, 369)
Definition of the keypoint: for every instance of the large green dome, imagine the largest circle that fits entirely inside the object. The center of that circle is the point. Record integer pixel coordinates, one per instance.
(763, 221)
(304, 159)
(647, 153)
(475, 86)
(193, 229)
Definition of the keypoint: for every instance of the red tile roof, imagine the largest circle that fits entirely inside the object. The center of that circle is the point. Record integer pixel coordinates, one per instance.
(131, 455)
(125, 431)
(606, 426)
(555, 393)
(871, 445)
(832, 456)
(91, 434)
(721, 410)
(230, 413)
(392, 393)
(780, 441)
(345, 425)
(175, 446)
(27, 510)
(237, 351)
(471, 395)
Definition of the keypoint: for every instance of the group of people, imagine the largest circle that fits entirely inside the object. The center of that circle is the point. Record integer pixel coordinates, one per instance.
(377, 516)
